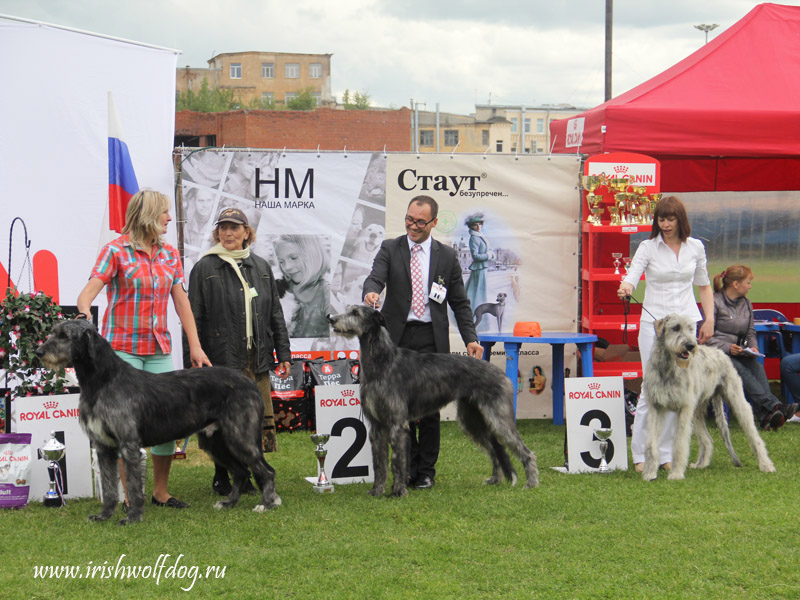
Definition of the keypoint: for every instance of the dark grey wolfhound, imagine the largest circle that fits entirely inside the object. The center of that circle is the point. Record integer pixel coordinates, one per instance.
(123, 409)
(398, 385)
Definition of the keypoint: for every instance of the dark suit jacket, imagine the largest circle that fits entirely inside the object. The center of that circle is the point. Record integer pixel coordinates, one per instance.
(391, 269)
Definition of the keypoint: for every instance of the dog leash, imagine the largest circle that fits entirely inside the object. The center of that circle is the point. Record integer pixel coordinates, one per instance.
(626, 309)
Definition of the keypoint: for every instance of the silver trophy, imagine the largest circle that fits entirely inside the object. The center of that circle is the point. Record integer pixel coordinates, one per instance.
(603, 434)
(53, 451)
(323, 484)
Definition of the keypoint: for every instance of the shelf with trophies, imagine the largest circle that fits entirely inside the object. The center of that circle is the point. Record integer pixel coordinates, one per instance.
(616, 205)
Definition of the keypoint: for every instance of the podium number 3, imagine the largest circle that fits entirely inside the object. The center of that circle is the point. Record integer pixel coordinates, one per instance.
(605, 421)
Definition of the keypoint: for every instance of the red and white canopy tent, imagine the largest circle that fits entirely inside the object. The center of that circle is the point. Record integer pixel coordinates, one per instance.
(726, 118)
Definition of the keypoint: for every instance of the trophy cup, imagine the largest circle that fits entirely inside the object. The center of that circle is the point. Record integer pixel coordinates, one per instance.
(590, 199)
(53, 451)
(626, 262)
(323, 484)
(614, 212)
(603, 434)
(617, 262)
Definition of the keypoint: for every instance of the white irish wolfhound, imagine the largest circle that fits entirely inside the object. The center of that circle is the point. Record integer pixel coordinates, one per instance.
(684, 377)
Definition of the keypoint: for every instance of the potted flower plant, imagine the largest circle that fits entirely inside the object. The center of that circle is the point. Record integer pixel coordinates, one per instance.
(25, 322)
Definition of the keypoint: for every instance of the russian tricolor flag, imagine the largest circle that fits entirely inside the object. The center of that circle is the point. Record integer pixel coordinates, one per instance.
(122, 182)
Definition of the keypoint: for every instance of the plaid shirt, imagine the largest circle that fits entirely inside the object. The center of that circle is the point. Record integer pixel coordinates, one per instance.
(138, 290)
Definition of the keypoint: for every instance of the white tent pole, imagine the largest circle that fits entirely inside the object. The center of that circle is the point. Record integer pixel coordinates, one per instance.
(100, 35)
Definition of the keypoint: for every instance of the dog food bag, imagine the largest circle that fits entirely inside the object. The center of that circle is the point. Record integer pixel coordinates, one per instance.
(16, 458)
(290, 399)
(342, 371)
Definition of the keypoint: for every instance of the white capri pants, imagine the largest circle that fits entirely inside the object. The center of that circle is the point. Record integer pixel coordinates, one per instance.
(647, 336)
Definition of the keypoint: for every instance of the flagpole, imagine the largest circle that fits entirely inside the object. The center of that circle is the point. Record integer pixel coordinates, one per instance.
(91, 33)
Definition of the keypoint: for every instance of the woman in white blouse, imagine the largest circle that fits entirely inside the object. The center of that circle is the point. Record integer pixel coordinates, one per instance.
(672, 263)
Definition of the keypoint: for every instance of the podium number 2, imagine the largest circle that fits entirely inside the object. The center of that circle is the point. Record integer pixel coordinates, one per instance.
(605, 421)
(343, 468)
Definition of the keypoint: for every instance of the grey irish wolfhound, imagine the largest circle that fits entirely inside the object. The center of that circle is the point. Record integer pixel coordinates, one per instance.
(123, 409)
(398, 385)
(684, 377)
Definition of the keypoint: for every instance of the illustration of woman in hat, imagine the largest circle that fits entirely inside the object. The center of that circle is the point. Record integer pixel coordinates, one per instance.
(479, 249)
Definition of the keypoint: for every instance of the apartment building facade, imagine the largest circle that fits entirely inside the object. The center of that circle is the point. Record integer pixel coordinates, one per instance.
(529, 131)
(272, 78)
(447, 132)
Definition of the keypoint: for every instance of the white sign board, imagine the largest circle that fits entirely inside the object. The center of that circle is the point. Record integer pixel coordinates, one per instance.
(39, 415)
(594, 403)
(339, 413)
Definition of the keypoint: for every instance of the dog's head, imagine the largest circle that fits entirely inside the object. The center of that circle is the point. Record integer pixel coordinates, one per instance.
(70, 342)
(371, 236)
(677, 333)
(501, 298)
(357, 320)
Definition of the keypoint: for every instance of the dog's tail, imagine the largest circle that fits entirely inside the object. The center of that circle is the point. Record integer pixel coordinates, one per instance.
(725, 432)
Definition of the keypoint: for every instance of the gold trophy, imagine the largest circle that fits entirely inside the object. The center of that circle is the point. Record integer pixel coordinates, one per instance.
(614, 212)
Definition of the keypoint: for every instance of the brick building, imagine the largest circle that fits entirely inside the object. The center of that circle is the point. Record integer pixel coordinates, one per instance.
(326, 128)
(270, 77)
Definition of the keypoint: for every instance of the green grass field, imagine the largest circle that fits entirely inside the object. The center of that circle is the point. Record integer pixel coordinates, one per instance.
(721, 533)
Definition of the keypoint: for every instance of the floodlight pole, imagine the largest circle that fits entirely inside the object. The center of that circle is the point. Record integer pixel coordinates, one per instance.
(609, 36)
(706, 28)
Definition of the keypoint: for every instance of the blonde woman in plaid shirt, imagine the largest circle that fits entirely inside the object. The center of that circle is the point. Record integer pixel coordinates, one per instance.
(141, 272)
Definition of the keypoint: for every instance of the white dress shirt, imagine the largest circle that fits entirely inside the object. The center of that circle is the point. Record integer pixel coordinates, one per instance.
(425, 264)
(669, 278)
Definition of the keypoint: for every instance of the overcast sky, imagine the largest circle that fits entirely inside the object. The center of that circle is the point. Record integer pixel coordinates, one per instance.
(452, 52)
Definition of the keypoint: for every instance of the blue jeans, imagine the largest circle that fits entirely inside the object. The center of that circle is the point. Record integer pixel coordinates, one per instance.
(790, 374)
(756, 386)
(152, 363)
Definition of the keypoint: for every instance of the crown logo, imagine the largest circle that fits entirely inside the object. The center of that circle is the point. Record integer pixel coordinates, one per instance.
(8, 452)
(594, 386)
(50, 404)
(348, 393)
(620, 169)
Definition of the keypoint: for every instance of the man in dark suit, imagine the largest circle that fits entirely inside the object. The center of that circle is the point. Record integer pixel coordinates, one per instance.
(418, 321)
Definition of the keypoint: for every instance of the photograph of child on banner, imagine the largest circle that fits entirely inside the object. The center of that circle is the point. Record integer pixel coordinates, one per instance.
(304, 263)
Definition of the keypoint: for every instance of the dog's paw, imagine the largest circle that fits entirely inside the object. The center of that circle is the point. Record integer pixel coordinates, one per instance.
(377, 492)
(399, 493)
(276, 501)
(129, 521)
(650, 472)
(768, 468)
(674, 475)
(97, 518)
(220, 505)
(493, 480)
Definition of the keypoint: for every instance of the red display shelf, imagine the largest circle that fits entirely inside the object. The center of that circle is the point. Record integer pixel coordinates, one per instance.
(611, 323)
(606, 228)
(627, 370)
(603, 274)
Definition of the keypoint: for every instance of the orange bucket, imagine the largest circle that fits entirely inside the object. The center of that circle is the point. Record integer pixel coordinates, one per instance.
(527, 329)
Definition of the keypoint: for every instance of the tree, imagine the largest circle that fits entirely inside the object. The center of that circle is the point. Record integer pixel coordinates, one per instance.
(359, 100)
(303, 101)
(208, 99)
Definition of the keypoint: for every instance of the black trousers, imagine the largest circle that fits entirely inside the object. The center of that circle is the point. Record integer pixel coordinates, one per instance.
(424, 433)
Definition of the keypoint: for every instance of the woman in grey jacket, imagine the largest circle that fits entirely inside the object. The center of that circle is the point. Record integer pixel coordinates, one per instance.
(239, 318)
(735, 335)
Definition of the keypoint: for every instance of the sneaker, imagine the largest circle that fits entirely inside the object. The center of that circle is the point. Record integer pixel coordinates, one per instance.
(789, 410)
(794, 419)
(774, 420)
